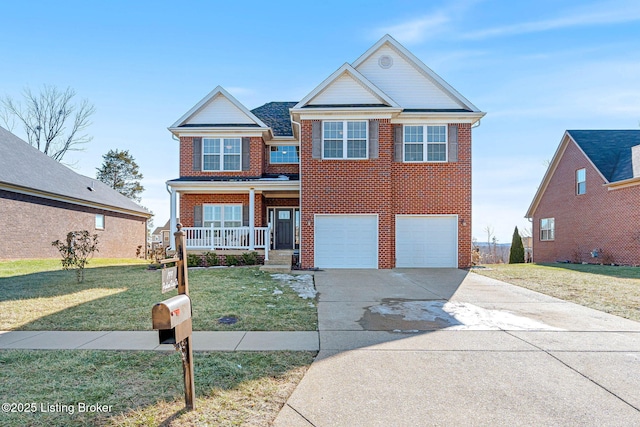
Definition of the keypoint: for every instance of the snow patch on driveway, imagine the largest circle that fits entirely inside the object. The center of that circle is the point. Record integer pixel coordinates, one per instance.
(459, 315)
(302, 284)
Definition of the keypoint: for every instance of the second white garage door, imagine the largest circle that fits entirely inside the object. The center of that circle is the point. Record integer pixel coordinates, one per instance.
(427, 241)
(346, 241)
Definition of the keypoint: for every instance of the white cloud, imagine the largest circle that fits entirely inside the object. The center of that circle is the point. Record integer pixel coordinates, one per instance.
(419, 29)
(600, 14)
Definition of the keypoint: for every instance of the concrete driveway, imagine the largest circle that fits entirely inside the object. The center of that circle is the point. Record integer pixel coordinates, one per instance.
(447, 347)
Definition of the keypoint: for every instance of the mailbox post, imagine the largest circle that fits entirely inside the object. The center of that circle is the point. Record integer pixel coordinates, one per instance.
(172, 319)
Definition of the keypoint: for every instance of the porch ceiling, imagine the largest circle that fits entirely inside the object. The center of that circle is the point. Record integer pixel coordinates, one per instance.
(279, 186)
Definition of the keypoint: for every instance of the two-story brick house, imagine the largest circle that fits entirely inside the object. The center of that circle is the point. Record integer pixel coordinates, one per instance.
(372, 169)
(586, 209)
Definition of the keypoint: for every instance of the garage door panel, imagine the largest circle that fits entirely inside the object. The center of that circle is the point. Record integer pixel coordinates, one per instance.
(346, 241)
(426, 241)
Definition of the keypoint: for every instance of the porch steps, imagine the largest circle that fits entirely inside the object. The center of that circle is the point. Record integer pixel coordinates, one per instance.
(279, 262)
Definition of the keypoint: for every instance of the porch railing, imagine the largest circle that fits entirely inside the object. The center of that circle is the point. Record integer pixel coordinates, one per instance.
(227, 238)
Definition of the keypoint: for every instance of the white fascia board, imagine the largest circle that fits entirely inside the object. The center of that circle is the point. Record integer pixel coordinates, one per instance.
(421, 66)
(623, 184)
(347, 68)
(283, 142)
(219, 90)
(71, 200)
(218, 131)
(233, 186)
(437, 117)
(347, 113)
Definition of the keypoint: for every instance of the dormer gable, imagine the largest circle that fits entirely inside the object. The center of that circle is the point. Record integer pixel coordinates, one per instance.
(346, 87)
(218, 110)
(401, 75)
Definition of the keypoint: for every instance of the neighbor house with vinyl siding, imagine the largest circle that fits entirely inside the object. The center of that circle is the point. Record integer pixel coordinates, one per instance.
(371, 169)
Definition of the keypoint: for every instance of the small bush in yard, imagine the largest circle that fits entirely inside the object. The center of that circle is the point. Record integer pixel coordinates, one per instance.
(193, 260)
(211, 259)
(250, 258)
(76, 251)
(232, 260)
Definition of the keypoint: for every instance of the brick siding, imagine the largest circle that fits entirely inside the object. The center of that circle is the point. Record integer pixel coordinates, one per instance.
(256, 160)
(29, 224)
(387, 188)
(599, 219)
(189, 201)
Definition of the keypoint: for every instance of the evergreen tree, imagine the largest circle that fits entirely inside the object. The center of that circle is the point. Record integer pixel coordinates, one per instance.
(516, 254)
(120, 172)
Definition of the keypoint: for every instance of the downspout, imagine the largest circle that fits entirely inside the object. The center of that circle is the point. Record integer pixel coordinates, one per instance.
(300, 192)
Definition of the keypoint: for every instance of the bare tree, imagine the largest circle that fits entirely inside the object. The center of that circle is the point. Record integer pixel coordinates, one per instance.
(52, 122)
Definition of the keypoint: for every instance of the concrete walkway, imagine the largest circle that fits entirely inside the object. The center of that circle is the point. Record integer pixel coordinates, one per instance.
(148, 340)
(447, 347)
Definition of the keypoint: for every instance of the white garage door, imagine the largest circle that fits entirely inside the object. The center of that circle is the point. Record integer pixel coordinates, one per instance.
(426, 241)
(346, 241)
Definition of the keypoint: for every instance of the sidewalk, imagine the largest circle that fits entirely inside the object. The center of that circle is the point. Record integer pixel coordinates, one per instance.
(148, 340)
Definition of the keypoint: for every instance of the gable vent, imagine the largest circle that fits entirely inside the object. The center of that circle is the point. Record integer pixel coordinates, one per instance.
(385, 61)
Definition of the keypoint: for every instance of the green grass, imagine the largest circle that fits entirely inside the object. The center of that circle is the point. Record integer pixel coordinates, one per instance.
(38, 295)
(611, 289)
(146, 388)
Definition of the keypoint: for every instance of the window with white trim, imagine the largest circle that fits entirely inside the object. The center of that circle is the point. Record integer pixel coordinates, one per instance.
(221, 154)
(222, 216)
(99, 222)
(425, 143)
(581, 181)
(547, 229)
(338, 144)
(284, 154)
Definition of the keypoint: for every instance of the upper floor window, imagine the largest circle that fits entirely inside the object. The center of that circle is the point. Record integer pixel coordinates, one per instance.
(547, 229)
(222, 216)
(221, 154)
(425, 143)
(581, 181)
(284, 154)
(344, 139)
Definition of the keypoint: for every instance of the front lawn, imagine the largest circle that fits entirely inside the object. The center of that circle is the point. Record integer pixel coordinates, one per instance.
(611, 289)
(38, 295)
(144, 388)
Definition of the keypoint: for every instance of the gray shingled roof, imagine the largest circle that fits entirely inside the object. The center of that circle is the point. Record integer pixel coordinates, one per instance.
(24, 166)
(276, 116)
(609, 150)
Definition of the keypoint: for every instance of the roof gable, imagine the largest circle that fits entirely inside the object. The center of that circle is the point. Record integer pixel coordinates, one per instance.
(346, 87)
(53, 179)
(401, 75)
(218, 108)
(608, 150)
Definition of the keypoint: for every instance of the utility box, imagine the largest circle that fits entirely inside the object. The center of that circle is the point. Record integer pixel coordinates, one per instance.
(172, 319)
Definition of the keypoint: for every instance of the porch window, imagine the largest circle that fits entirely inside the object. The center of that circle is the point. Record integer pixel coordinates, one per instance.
(425, 143)
(221, 154)
(338, 144)
(547, 229)
(284, 154)
(581, 181)
(222, 216)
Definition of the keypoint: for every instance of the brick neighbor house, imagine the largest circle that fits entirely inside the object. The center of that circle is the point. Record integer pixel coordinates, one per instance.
(42, 200)
(587, 207)
(372, 169)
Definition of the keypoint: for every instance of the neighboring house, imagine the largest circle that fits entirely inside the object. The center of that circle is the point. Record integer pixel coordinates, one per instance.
(372, 169)
(160, 236)
(587, 208)
(42, 200)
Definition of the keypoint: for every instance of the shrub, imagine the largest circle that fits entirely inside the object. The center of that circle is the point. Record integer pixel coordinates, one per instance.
(79, 246)
(211, 259)
(250, 258)
(516, 254)
(193, 260)
(231, 260)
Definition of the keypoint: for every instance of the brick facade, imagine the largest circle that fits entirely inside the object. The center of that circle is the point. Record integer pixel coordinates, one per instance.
(384, 187)
(29, 224)
(601, 219)
(188, 202)
(256, 159)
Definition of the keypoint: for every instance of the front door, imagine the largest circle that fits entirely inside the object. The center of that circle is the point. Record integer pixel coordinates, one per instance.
(284, 228)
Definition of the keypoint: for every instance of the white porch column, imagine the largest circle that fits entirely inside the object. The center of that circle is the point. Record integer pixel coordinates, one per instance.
(252, 219)
(173, 221)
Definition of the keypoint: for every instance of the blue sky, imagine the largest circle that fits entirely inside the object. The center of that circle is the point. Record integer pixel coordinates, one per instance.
(536, 67)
